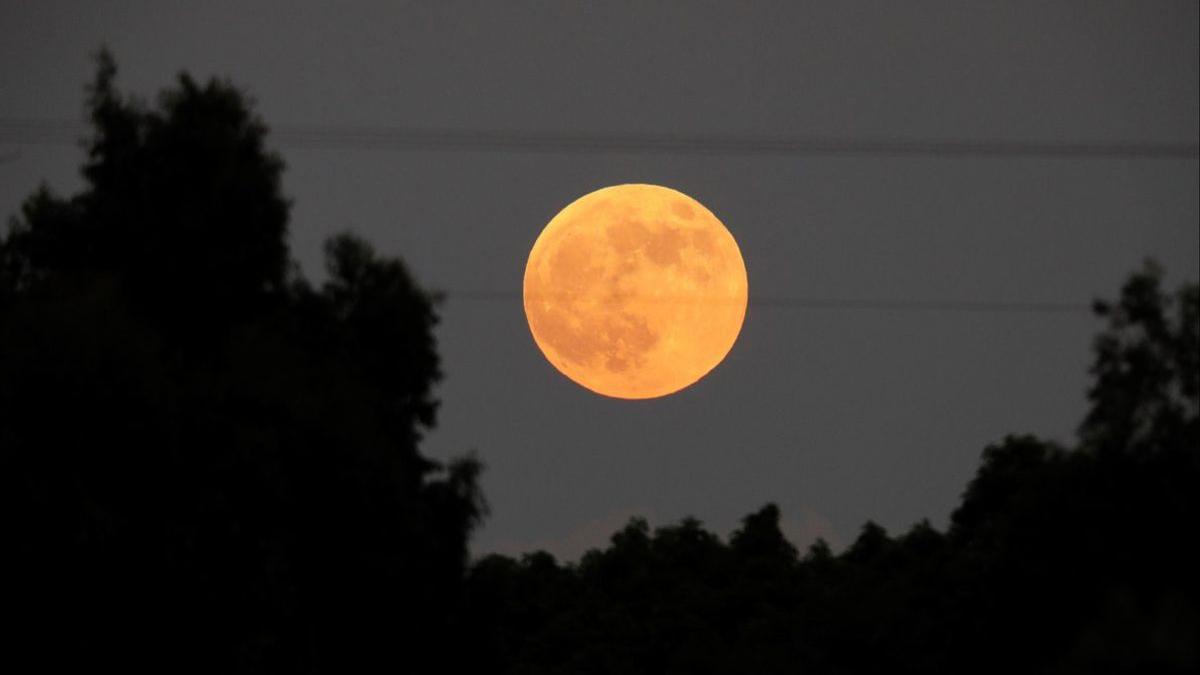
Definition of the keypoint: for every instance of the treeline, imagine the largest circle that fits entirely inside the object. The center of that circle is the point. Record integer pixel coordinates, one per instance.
(1057, 560)
(212, 465)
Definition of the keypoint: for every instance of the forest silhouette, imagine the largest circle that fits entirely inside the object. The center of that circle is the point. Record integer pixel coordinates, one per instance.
(214, 466)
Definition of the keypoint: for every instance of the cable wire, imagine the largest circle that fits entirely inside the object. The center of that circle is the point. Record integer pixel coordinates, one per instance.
(869, 304)
(59, 132)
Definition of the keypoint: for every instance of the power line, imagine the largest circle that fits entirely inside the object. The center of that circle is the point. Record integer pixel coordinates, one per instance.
(989, 306)
(50, 131)
(860, 304)
(58, 132)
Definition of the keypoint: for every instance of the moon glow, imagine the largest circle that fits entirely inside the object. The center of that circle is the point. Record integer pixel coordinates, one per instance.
(635, 291)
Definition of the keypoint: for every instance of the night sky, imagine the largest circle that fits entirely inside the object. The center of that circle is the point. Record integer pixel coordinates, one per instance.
(858, 389)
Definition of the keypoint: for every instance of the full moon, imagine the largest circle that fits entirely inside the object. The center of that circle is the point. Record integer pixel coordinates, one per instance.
(635, 291)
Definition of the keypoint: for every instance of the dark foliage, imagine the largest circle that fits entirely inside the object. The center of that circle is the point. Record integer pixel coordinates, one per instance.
(1057, 560)
(213, 465)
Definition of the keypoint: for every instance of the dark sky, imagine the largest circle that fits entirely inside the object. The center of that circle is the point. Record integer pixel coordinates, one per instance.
(837, 414)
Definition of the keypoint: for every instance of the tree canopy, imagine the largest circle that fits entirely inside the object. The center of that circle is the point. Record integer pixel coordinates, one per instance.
(214, 463)
(1057, 560)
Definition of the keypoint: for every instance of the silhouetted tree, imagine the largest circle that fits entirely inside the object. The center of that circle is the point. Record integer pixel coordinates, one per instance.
(1054, 541)
(760, 537)
(213, 465)
(1147, 371)
(1057, 560)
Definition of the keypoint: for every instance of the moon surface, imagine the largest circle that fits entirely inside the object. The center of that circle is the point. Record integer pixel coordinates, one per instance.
(635, 291)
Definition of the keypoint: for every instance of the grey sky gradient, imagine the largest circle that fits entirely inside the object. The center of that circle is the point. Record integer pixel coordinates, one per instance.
(839, 415)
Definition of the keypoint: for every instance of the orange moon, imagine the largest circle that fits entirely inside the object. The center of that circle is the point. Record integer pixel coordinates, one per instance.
(635, 291)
